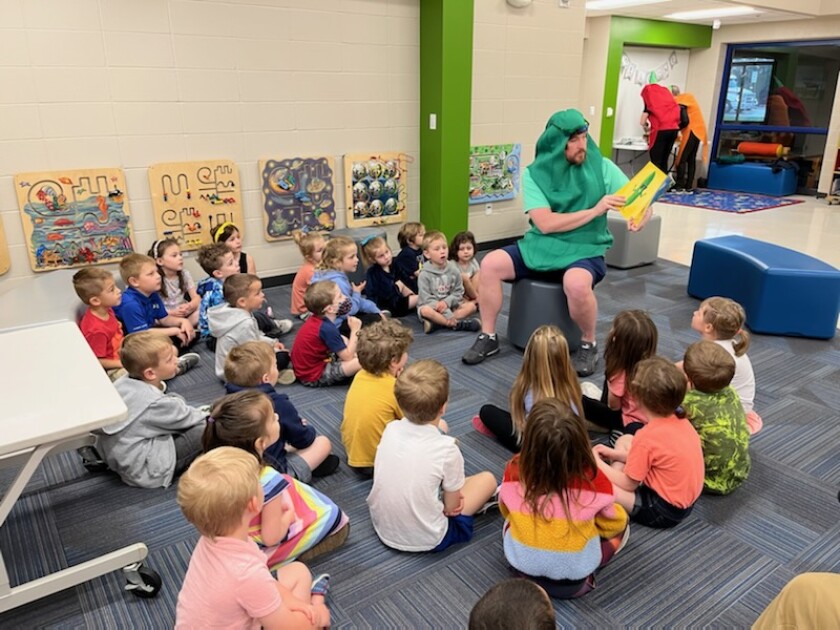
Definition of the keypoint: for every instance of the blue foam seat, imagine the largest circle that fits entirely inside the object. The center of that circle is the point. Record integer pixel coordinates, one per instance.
(750, 177)
(784, 292)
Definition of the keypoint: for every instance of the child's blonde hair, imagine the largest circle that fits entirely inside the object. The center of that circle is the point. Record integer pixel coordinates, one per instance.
(142, 350)
(238, 286)
(727, 319)
(306, 242)
(381, 344)
(132, 265)
(369, 249)
(659, 386)
(556, 457)
(336, 249)
(157, 250)
(215, 491)
(708, 366)
(431, 237)
(239, 420)
(422, 390)
(546, 372)
(247, 363)
(211, 257)
(319, 295)
(90, 282)
(408, 232)
(632, 337)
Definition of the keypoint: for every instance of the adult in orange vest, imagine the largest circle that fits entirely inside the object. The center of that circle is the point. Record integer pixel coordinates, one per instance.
(691, 138)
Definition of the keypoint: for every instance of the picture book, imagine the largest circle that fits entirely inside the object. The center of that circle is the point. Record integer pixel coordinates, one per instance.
(646, 187)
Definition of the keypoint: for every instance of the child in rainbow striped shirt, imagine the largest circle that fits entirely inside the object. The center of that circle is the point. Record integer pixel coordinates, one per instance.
(562, 522)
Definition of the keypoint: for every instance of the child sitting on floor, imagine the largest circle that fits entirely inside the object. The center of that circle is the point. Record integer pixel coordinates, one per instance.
(462, 251)
(432, 508)
(409, 261)
(233, 323)
(99, 325)
(440, 302)
(320, 355)
(382, 285)
(513, 603)
(715, 411)
(371, 404)
(227, 583)
(657, 473)
(178, 287)
(562, 523)
(311, 245)
(161, 434)
(252, 365)
(296, 521)
(217, 262)
(142, 308)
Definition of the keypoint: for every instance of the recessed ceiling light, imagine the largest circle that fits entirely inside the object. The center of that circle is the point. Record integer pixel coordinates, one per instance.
(710, 14)
(604, 5)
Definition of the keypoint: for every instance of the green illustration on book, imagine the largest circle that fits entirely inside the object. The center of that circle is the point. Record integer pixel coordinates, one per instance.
(646, 187)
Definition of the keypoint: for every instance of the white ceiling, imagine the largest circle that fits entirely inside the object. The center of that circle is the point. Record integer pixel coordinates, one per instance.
(770, 10)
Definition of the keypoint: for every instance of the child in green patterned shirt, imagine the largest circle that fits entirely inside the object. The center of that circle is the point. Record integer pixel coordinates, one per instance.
(715, 411)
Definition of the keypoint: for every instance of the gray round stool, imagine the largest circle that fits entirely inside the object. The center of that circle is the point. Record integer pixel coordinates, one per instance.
(534, 303)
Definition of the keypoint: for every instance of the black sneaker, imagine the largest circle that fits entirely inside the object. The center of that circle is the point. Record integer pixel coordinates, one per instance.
(91, 459)
(326, 467)
(585, 359)
(484, 346)
(187, 361)
(470, 324)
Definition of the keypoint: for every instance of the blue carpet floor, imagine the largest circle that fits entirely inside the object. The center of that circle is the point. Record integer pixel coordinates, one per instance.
(723, 201)
(719, 568)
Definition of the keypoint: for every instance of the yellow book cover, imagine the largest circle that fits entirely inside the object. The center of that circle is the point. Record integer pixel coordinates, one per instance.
(641, 191)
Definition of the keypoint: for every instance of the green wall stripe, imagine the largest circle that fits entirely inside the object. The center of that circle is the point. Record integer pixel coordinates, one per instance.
(638, 32)
(446, 41)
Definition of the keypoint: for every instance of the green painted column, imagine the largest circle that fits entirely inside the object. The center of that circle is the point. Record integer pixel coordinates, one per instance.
(446, 42)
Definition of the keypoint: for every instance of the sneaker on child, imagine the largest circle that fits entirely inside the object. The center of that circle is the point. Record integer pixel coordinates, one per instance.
(471, 324)
(286, 377)
(187, 361)
(321, 585)
(282, 326)
(485, 346)
(326, 467)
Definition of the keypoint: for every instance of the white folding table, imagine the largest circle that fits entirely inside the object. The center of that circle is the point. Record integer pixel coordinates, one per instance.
(54, 394)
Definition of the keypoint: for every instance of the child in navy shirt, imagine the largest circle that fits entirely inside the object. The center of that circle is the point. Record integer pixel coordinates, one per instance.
(410, 259)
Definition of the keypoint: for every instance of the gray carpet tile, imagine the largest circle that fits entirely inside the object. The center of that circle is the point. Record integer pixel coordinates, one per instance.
(718, 569)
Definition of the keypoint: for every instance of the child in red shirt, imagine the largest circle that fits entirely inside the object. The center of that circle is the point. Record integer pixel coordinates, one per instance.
(100, 326)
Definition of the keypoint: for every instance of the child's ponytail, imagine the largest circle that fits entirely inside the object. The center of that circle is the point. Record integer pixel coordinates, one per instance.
(238, 420)
(727, 319)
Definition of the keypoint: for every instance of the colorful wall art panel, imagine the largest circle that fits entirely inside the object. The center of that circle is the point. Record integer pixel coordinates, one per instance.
(5, 262)
(494, 172)
(74, 218)
(376, 188)
(297, 195)
(192, 199)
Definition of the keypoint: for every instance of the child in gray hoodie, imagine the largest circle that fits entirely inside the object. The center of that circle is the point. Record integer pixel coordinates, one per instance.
(233, 323)
(440, 302)
(162, 433)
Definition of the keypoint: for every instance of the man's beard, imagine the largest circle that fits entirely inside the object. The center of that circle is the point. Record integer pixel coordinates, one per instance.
(579, 157)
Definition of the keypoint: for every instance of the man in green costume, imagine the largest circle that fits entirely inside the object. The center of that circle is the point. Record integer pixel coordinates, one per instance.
(568, 189)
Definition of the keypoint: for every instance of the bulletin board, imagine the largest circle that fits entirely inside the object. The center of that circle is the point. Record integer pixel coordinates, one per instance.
(375, 188)
(297, 195)
(74, 218)
(5, 262)
(191, 199)
(494, 172)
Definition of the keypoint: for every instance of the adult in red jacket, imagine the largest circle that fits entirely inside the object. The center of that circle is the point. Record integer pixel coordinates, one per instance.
(662, 115)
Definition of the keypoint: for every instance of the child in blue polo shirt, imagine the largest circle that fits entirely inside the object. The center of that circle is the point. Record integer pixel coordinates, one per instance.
(142, 308)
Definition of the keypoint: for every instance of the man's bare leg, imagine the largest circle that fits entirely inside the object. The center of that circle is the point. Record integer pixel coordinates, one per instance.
(583, 309)
(496, 267)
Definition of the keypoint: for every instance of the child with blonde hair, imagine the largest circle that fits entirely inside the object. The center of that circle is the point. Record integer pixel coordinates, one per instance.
(371, 403)
(295, 521)
(432, 508)
(722, 320)
(311, 245)
(715, 411)
(462, 251)
(252, 365)
(657, 473)
(410, 259)
(227, 583)
(440, 301)
(382, 285)
(546, 372)
(562, 523)
(632, 338)
(178, 288)
(341, 257)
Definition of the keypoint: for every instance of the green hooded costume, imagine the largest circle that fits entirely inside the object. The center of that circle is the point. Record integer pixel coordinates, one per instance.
(568, 188)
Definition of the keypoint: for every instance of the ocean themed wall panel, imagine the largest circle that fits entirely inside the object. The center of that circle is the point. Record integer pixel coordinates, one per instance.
(74, 218)
(192, 199)
(375, 188)
(5, 262)
(494, 172)
(298, 194)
